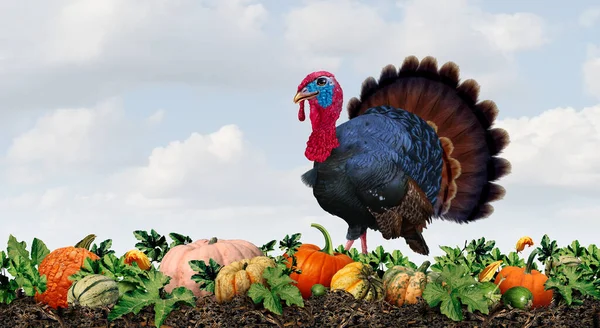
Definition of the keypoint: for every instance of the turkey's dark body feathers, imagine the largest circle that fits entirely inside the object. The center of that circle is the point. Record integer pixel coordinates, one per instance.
(379, 152)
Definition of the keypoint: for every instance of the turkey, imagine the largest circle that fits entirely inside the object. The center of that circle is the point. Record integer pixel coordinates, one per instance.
(417, 146)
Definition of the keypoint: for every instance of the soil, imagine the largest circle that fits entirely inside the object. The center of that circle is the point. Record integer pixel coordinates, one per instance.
(336, 309)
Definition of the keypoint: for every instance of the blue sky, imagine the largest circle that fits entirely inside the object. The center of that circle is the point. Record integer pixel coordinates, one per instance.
(116, 117)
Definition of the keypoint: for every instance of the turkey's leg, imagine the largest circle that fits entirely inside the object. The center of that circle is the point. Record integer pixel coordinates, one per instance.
(363, 242)
(349, 244)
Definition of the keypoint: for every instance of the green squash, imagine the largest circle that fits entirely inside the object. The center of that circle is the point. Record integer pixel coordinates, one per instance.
(95, 290)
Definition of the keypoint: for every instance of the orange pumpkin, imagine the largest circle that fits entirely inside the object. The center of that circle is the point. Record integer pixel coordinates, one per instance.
(175, 263)
(58, 266)
(528, 278)
(404, 285)
(317, 265)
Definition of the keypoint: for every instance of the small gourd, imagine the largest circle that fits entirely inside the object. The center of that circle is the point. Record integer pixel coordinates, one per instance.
(237, 277)
(94, 290)
(360, 280)
(404, 284)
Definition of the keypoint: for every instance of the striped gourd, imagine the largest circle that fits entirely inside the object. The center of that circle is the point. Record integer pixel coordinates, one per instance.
(95, 290)
(359, 280)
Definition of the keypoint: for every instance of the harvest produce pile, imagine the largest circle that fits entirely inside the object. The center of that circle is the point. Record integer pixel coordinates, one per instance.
(195, 284)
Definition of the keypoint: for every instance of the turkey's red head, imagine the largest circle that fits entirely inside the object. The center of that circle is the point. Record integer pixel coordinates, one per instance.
(325, 97)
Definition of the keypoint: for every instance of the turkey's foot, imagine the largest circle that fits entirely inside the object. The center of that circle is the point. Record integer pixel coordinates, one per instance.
(363, 243)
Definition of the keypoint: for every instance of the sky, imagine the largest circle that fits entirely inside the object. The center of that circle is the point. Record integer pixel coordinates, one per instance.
(178, 115)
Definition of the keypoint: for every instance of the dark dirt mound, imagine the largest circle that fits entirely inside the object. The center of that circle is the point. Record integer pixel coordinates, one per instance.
(336, 309)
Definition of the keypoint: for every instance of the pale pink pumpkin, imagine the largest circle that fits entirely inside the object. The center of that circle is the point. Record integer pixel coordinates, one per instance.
(175, 263)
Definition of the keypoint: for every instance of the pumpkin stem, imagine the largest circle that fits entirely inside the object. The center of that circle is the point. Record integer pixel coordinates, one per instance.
(424, 266)
(212, 240)
(245, 265)
(328, 246)
(86, 242)
(530, 261)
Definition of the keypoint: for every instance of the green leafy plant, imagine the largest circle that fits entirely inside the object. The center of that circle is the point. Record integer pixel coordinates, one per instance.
(155, 246)
(453, 289)
(572, 284)
(289, 245)
(151, 292)
(513, 259)
(279, 287)
(205, 273)
(548, 253)
(103, 248)
(127, 276)
(268, 247)
(18, 262)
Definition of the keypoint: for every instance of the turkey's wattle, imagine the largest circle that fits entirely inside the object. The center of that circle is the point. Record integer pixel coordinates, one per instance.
(325, 98)
(417, 146)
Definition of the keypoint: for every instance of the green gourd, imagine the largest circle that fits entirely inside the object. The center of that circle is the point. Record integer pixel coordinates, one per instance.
(95, 290)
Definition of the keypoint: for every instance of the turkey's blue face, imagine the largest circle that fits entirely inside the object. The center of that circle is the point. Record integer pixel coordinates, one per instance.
(321, 89)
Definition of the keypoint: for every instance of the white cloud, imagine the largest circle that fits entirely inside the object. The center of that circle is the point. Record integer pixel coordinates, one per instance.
(590, 16)
(591, 71)
(61, 137)
(514, 32)
(453, 31)
(556, 148)
(156, 117)
(71, 143)
(70, 53)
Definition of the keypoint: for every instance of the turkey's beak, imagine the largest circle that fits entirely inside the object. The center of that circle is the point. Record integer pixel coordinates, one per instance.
(304, 95)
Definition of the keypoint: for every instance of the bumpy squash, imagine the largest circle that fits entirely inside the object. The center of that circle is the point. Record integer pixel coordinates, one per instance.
(359, 280)
(236, 278)
(175, 263)
(403, 284)
(95, 290)
(317, 265)
(58, 266)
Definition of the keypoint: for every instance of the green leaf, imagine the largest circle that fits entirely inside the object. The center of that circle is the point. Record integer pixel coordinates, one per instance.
(435, 294)
(4, 261)
(272, 302)
(397, 258)
(131, 302)
(206, 274)
(22, 268)
(513, 259)
(103, 249)
(152, 244)
(163, 307)
(257, 292)
(460, 289)
(179, 239)
(38, 251)
(280, 287)
(474, 299)
(572, 284)
(16, 249)
(153, 283)
(290, 244)
(268, 247)
(289, 294)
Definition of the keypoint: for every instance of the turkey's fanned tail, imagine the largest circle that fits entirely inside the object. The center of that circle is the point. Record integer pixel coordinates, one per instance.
(471, 145)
